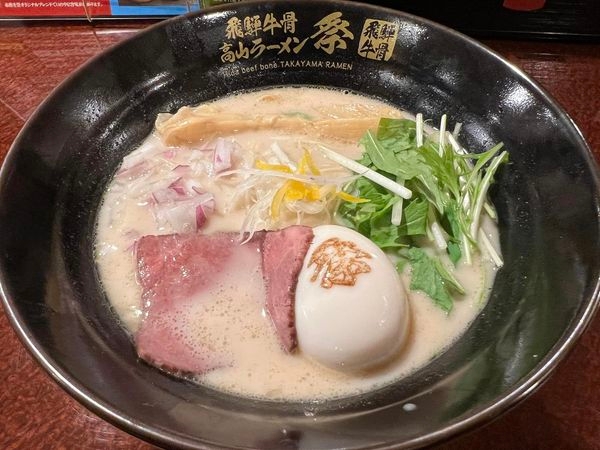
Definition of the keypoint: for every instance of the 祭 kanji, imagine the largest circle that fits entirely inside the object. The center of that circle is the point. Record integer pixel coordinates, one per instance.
(333, 31)
(338, 263)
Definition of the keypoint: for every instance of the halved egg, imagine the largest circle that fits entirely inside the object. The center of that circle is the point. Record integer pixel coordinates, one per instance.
(351, 306)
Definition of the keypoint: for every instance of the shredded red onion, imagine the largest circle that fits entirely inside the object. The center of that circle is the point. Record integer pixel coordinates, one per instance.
(133, 236)
(198, 190)
(133, 171)
(222, 155)
(178, 186)
(200, 217)
(183, 205)
(208, 203)
(182, 169)
(170, 153)
(206, 146)
(166, 195)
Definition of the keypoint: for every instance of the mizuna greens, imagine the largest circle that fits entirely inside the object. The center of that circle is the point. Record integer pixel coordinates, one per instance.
(441, 195)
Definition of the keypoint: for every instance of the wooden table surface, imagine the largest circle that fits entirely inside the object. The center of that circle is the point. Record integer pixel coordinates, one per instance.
(35, 413)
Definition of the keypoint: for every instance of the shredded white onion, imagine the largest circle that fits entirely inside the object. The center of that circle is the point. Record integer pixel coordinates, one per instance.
(311, 179)
(282, 156)
(456, 131)
(397, 212)
(438, 236)
(494, 255)
(375, 177)
(419, 129)
(442, 135)
(455, 145)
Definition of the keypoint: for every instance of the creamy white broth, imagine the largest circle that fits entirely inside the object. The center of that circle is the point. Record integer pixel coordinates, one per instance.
(261, 369)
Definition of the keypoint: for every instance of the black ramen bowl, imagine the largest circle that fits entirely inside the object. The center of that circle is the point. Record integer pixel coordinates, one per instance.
(60, 164)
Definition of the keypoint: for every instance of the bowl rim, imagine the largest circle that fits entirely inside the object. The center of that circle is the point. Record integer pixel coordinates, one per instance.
(480, 416)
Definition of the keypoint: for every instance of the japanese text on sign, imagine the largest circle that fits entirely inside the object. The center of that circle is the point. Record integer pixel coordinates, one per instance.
(377, 39)
(251, 36)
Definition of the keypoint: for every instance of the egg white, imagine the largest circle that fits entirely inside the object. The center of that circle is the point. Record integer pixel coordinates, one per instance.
(355, 327)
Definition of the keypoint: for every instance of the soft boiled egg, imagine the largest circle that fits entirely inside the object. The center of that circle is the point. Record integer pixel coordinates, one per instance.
(351, 307)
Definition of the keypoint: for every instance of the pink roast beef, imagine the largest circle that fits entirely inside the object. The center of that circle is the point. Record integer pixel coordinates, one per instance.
(283, 253)
(175, 270)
